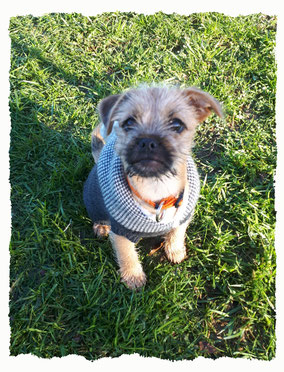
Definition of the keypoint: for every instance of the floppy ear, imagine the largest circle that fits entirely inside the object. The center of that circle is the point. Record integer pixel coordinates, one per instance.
(105, 108)
(203, 103)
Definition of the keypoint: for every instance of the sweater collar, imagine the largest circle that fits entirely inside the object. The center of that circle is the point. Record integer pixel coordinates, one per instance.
(118, 197)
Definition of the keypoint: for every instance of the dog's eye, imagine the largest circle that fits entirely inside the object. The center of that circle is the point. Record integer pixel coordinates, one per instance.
(128, 124)
(177, 125)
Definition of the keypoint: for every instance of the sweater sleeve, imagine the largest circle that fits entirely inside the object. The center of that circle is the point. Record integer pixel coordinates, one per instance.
(118, 229)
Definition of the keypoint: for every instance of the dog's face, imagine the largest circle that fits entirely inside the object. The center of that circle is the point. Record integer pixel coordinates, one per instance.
(156, 126)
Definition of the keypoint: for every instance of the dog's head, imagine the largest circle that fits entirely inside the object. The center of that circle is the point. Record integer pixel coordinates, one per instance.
(155, 126)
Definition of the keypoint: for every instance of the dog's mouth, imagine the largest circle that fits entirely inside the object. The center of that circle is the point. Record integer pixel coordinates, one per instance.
(149, 162)
(147, 168)
(154, 165)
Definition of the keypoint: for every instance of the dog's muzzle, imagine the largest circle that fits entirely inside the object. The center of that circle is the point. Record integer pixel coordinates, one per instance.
(149, 156)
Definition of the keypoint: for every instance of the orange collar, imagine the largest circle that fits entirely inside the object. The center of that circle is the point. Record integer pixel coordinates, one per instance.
(165, 203)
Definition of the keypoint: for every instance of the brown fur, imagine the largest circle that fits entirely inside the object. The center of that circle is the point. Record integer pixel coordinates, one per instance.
(98, 142)
(101, 230)
(153, 108)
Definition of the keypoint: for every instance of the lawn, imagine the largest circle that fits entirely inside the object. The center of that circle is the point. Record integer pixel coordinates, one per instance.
(66, 296)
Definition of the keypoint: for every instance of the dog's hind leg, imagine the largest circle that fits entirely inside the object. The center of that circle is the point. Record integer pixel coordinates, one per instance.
(101, 230)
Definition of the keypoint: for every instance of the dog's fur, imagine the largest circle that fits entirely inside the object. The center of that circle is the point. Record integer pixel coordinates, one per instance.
(153, 151)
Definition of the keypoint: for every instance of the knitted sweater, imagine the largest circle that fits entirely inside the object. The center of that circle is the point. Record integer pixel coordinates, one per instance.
(108, 198)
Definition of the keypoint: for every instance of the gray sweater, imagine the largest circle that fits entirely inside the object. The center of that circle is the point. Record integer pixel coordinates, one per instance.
(108, 198)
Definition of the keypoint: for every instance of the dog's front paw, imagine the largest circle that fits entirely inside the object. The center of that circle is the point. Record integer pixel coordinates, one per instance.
(133, 278)
(175, 255)
(101, 230)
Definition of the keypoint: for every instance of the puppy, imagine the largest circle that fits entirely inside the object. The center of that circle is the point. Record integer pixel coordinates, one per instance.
(145, 182)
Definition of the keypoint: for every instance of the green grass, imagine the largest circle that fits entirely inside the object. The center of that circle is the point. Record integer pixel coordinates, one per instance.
(66, 295)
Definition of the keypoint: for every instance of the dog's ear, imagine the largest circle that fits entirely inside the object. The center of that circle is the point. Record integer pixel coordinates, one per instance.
(105, 108)
(203, 103)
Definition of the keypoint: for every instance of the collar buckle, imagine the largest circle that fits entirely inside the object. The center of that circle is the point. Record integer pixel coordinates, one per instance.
(159, 212)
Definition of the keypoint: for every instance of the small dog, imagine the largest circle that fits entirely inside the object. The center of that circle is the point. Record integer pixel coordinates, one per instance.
(145, 182)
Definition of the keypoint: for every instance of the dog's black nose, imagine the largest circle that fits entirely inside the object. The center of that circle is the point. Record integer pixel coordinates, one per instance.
(147, 143)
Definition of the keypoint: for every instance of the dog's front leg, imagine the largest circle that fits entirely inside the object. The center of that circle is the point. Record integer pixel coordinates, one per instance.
(174, 244)
(130, 268)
